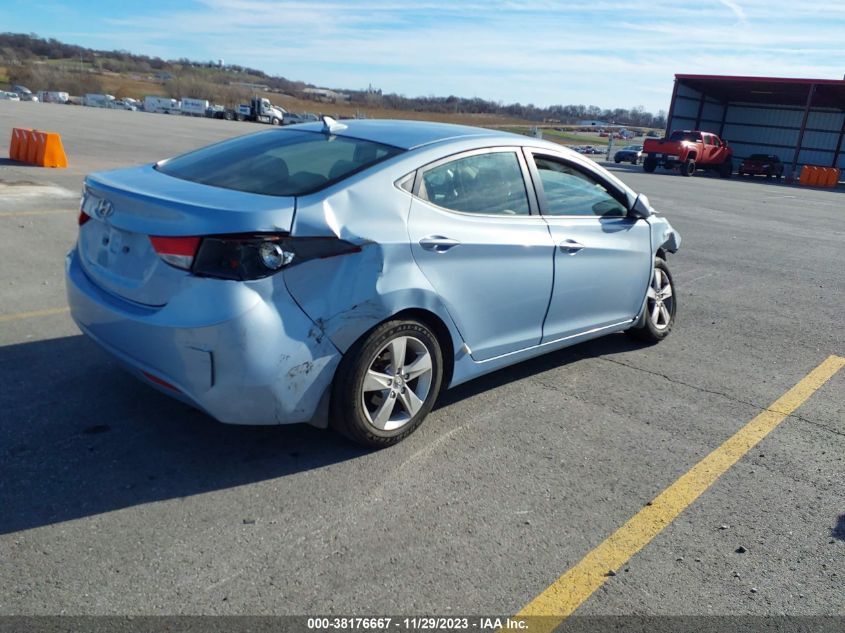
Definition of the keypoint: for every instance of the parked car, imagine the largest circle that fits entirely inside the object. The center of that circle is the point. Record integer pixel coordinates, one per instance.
(121, 104)
(344, 274)
(292, 118)
(9, 96)
(687, 151)
(767, 165)
(24, 93)
(630, 154)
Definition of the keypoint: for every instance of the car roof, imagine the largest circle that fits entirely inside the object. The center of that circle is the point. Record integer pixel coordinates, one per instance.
(411, 134)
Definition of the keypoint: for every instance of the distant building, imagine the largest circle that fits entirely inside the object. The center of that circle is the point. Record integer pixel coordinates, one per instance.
(799, 120)
(323, 94)
(249, 86)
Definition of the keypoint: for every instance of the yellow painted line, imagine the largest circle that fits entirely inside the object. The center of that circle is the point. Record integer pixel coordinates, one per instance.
(32, 314)
(16, 214)
(570, 591)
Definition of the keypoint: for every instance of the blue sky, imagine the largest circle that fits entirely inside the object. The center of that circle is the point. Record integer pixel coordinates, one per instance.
(598, 52)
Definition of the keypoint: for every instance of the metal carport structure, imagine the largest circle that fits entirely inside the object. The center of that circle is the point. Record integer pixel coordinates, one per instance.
(802, 121)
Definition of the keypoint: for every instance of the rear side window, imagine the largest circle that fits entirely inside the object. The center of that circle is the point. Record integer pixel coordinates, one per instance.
(278, 162)
(679, 135)
(483, 183)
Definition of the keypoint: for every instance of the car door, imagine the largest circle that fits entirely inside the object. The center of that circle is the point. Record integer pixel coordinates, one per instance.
(476, 235)
(602, 261)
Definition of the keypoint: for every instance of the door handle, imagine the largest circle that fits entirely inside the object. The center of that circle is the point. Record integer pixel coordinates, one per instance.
(438, 243)
(570, 246)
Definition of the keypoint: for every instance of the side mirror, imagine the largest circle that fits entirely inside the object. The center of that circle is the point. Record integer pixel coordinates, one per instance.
(641, 207)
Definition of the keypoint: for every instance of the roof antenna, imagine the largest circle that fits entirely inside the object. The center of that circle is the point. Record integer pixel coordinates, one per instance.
(330, 126)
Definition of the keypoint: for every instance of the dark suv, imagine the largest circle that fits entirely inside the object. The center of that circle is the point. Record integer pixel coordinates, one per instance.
(766, 165)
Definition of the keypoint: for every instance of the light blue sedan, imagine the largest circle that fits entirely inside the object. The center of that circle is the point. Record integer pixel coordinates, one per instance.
(344, 273)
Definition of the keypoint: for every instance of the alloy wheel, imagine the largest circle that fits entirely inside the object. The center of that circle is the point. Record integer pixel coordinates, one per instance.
(660, 300)
(397, 383)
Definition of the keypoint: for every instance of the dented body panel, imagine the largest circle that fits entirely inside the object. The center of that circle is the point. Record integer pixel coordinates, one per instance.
(266, 351)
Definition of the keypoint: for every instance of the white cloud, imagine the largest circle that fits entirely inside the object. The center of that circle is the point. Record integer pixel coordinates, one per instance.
(735, 8)
(607, 52)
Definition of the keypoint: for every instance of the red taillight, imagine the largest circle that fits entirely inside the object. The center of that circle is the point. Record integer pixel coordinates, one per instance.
(176, 251)
(83, 218)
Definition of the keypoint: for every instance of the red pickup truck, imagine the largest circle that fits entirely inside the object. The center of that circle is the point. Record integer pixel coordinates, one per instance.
(688, 150)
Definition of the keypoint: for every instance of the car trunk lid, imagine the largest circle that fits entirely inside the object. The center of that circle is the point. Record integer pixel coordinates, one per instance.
(129, 206)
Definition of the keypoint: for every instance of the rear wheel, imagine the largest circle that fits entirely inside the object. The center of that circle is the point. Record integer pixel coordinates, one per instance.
(658, 316)
(387, 383)
(649, 165)
(687, 168)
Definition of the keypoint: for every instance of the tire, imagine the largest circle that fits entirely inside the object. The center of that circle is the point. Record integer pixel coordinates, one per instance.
(651, 328)
(275, 121)
(688, 168)
(636, 161)
(725, 169)
(649, 165)
(617, 160)
(358, 401)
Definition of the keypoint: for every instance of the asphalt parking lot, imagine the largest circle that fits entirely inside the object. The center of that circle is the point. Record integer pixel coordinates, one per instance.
(115, 499)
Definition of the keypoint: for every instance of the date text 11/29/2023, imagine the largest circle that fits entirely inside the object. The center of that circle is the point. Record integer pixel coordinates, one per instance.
(416, 623)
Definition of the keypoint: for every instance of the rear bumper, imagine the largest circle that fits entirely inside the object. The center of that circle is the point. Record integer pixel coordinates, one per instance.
(669, 161)
(242, 352)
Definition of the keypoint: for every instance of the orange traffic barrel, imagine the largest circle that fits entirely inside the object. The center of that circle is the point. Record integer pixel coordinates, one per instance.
(44, 149)
(805, 175)
(17, 146)
(51, 152)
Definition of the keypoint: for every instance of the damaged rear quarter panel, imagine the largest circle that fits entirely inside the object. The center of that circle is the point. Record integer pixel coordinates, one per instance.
(348, 295)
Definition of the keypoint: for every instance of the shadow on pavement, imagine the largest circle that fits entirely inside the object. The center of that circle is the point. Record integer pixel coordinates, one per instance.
(80, 437)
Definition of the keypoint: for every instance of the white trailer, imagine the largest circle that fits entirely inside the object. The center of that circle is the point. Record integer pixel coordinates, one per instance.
(94, 100)
(53, 96)
(162, 105)
(194, 107)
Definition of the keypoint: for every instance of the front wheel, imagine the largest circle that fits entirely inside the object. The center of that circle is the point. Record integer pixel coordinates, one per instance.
(387, 383)
(658, 316)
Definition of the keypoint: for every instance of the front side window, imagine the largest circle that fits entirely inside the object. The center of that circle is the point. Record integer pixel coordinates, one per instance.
(569, 191)
(489, 183)
(278, 162)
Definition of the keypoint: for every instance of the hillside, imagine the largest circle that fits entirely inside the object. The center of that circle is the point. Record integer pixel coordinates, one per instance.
(48, 64)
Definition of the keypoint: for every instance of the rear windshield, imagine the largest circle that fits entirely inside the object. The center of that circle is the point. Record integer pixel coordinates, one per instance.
(678, 135)
(278, 162)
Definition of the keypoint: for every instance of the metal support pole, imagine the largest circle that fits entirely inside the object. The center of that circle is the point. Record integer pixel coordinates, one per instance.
(724, 118)
(839, 143)
(700, 111)
(803, 128)
(671, 110)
